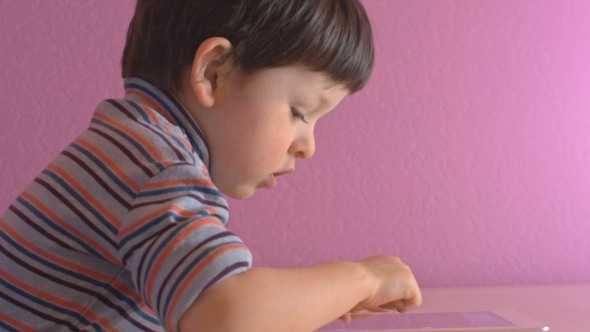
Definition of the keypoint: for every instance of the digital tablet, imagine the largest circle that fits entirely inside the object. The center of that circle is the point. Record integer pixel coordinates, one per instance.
(464, 321)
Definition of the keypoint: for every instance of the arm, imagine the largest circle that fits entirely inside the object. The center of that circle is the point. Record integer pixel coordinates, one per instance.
(301, 299)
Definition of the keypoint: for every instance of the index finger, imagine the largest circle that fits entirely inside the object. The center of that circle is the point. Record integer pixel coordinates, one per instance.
(409, 303)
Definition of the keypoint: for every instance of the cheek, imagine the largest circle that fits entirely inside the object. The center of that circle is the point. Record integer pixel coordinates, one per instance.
(267, 153)
(254, 147)
(279, 140)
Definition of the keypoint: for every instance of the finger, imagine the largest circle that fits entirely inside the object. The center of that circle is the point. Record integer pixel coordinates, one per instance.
(347, 318)
(390, 306)
(404, 305)
(412, 301)
(357, 308)
(379, 309)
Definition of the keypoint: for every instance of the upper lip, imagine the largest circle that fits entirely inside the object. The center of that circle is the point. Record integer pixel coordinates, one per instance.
(284, 172)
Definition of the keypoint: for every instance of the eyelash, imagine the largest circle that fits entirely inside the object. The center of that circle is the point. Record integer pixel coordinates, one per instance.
(298, 115)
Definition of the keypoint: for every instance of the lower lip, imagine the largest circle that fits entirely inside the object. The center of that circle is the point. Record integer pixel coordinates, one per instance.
(272, 181)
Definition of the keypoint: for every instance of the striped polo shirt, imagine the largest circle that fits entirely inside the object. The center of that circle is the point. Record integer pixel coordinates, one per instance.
(123, 230)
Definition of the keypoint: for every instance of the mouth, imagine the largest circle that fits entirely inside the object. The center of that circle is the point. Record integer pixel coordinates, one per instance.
(272, 179)
(283, 173)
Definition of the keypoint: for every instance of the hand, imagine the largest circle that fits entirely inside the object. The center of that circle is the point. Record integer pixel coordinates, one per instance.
(395, 288)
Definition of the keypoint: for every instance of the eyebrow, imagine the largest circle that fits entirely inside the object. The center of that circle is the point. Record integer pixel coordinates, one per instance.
(318, 101)
(315, 103)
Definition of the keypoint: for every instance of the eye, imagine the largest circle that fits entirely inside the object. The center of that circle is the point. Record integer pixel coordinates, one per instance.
(297, 115)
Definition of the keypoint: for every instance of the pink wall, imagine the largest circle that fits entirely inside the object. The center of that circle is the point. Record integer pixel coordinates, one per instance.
(468, 154)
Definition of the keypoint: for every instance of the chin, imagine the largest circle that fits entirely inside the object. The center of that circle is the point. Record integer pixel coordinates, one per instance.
(239, 193)
(231, 190)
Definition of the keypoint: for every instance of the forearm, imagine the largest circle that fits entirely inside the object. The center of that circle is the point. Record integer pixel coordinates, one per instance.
(264, 299)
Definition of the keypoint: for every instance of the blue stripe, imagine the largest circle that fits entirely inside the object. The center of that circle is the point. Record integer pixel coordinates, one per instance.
(193, 196)
(51, 265)
(58, 228)
(179, 143)
(8, 327)
(81, 277)
(157, 192)
(176, 218)
(104, 168)
(139, 110)
(160, 248)
(189, 268)
(170, 110)
(200, 137)
(77, 316)
(139, 244)
(131, 140)
(157, 98)
(109, 225)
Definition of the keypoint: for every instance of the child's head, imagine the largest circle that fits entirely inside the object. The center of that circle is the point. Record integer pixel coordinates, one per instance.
(256, 75)
(329, 36)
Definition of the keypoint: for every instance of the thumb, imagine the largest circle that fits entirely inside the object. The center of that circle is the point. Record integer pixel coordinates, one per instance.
(381, 308)
(403, 306)
(357, 308)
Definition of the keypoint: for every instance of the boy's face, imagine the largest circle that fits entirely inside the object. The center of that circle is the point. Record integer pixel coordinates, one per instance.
(257, 128)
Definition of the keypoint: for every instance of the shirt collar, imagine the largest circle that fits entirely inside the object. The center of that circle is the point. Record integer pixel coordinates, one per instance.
(168, 106)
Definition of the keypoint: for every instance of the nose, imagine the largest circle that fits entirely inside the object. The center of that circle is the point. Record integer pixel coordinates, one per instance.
(303, 146)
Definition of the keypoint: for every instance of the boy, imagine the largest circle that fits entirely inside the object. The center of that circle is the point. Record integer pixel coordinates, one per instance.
(126, 229)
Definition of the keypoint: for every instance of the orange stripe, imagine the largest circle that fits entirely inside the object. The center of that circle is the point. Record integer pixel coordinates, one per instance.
(155, 105)
(111, 164)
(146, 308)
(96, 204)
(140, 139)
(171, 247)
(185, 142)
(127, 291)
(176, 183)
(190, 278)
(91, 273)
(57, 300)
(205, 170)
(16, 323)
(166, 128)
(80, 269)
(150, 113)
(127, 230)
(69, 227)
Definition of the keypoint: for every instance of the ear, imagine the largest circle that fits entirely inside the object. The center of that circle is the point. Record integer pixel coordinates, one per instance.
(206, 69)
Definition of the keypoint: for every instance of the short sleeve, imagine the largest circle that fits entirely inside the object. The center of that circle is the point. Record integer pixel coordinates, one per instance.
(175, 242)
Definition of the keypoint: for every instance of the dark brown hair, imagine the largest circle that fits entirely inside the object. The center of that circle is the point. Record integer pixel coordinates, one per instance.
(329, 36)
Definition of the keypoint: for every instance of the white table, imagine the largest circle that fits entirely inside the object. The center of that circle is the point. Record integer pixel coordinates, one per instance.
(563, 308)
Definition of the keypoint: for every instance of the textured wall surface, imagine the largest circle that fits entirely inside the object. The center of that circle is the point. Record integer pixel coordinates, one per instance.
(468, 154)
